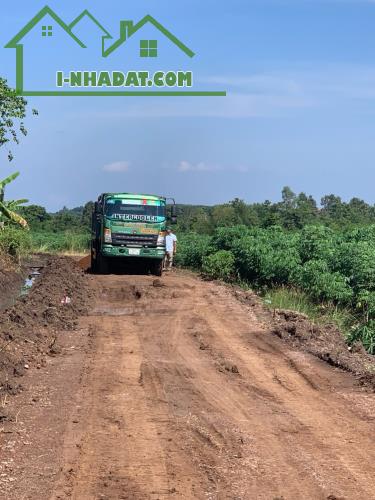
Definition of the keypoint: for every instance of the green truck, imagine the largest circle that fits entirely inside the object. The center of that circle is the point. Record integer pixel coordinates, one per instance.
(130, 226)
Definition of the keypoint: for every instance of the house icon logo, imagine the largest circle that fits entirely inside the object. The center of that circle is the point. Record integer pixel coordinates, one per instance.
(146, 43)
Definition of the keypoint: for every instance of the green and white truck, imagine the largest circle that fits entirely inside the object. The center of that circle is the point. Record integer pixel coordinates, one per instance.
(130, 226)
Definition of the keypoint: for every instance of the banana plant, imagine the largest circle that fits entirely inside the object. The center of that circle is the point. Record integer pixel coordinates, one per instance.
(8, 209)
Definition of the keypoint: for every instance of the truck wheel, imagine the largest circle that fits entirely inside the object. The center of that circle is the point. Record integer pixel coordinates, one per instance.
(102, 264)
(94, 264)
(157, 268)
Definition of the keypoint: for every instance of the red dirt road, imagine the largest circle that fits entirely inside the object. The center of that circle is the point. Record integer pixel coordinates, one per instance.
(185, 394)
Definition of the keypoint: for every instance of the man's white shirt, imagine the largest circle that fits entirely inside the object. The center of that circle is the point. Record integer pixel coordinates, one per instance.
(169, 242)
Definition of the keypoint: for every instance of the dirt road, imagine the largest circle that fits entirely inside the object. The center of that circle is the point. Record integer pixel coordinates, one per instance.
(186, 395)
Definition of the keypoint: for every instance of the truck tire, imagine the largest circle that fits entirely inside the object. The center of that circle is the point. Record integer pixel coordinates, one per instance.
(102, 264)
(157, 267)
(94, 264)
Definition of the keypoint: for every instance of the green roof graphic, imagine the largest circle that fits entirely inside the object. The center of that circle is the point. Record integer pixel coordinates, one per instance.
(127, 29)
(148, 48)
(88, 14)
(14, 42)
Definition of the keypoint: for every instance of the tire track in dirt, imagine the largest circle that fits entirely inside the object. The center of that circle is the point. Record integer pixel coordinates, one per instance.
(187, 395)
(334, 442)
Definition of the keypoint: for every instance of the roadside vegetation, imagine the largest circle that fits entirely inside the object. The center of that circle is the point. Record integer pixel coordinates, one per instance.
(318, 259)
(326, 273)
(67, 242)
(66, 231)
(14, 240)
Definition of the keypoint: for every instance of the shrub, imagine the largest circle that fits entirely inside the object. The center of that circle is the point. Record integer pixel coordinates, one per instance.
(356, 260)
(364, 333)
(315, 278)
(268, 257)
(192, 248)
(14, 242)
(365, 302)
(224, 237)
(336, 267)
(219, 265)
(316, 242)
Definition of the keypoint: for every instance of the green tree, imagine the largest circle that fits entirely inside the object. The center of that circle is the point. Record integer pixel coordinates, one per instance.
(306, 210)
(268, 214)
(333, 208)
(86, 214)
(12, 112)
(35, 215)
(224, 215)
(200, 221)
(65, 219)
(245, 214)
(359, 212)
(288, 197)
(287, 208)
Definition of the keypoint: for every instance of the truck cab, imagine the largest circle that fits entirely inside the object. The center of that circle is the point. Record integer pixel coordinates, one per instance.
(130, 226)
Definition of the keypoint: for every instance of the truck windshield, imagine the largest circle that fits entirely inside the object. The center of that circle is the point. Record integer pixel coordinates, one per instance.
(117, 209)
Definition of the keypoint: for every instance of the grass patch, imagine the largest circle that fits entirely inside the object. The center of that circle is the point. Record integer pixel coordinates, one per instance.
(67, 242)
(322, 313)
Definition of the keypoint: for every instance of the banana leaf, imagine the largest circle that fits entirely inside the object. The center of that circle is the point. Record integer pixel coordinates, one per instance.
(15, 203)
(8, 180)
(12, 216)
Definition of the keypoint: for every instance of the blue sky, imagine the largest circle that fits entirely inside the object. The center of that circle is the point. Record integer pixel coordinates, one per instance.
(300, 108)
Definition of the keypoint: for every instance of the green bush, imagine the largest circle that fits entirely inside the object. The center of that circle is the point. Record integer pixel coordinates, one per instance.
(316, 279)
(364, 333)
(356, 260)
(225, 237)
(192, 248)
(333, 267)
(365, 303)
(14, 242)
(316, 242)
(268, 257)
(219, 265)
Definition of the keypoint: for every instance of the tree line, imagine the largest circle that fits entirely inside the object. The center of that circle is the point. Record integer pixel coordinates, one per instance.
(292, 212)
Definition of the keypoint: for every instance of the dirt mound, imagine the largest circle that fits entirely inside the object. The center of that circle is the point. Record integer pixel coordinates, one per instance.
(142, 292)
(11, 276)
(323, 341)
(29, 329)
(326, 342)
(85, 262)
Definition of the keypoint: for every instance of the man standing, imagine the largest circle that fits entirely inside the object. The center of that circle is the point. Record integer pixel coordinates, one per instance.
(170, 247)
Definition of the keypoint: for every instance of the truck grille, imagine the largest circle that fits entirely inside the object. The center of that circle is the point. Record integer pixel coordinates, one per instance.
(144, 240)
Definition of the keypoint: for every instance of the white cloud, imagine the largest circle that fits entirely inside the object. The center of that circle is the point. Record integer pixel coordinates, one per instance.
(242, 168)
(117, 166)
(186, 166)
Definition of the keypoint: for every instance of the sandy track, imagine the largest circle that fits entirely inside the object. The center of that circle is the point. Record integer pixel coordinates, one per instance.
(187, 395)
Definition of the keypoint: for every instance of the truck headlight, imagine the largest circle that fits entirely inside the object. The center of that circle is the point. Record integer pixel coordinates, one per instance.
(107, 235)
(161, 240)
